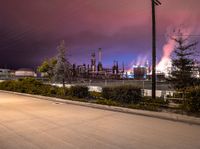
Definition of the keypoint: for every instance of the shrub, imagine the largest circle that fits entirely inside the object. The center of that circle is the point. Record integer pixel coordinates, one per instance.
(32, 86)
(178, 95)
(123, 94)
(95, 95)
(79, 91)
(26, 85)
(192, 104)
(7, 85)
(52, 91)
(60, 92)
(157, 101)
(145, 106)
(107, 92)
(107, 102)
(29, 85)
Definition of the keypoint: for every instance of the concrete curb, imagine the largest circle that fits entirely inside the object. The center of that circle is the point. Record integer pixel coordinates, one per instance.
(160, 115)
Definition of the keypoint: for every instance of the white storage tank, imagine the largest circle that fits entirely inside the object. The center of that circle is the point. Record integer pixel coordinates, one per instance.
(25, 72)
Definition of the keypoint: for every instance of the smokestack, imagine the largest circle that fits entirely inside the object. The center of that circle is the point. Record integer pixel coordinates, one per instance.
(100, 66)
(122, 67)
(93, 62)
(115, 67)
(100, 55)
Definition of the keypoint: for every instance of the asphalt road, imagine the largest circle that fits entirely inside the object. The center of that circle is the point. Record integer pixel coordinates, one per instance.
(30, 123)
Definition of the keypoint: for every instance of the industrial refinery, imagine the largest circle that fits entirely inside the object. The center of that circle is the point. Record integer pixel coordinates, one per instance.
(96, 70)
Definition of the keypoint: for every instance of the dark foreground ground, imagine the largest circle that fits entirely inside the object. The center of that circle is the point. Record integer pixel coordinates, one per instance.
(30, 123)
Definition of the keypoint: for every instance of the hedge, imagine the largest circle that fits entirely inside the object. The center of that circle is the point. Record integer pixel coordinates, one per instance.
(79, 91)
(128, 96)
(33, 86)
(123, 94)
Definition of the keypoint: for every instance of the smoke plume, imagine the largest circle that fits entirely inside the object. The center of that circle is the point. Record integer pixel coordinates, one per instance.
(165, 63)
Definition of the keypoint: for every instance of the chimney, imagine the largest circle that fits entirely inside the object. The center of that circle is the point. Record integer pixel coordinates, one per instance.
(100, 66)
(122, 67)
(93, 62)
(100, 55)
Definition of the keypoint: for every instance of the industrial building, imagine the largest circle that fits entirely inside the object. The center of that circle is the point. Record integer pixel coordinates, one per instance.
(140, 73)
(5, 74)
(96, 70)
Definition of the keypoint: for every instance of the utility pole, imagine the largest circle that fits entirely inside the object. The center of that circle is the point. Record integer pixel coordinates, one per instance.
(154, 4)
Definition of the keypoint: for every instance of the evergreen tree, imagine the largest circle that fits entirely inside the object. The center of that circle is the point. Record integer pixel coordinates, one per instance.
(183, 63)
(63, 68)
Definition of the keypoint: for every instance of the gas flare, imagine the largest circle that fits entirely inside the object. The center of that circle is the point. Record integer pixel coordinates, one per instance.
(165, 63)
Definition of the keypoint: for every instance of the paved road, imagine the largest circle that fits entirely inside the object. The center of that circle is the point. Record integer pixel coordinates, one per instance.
(30, 123)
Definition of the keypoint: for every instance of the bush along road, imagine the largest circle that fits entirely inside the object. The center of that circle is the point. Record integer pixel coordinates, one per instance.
(123, 96)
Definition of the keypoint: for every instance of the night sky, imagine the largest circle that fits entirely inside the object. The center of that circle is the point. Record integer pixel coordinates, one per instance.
(30, 30)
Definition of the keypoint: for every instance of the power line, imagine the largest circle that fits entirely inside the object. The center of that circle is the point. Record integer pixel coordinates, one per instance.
(157, 2)
(188, 35)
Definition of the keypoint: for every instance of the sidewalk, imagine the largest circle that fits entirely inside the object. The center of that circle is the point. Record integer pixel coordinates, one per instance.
(161, 115)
